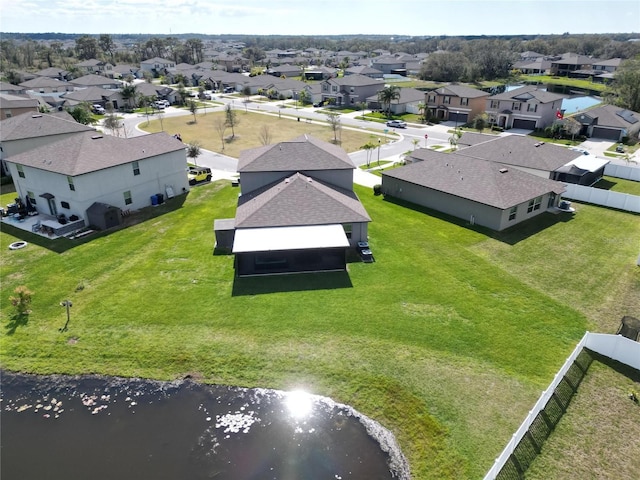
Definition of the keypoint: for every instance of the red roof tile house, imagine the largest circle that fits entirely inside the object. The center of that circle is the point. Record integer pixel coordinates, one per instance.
(297, 211)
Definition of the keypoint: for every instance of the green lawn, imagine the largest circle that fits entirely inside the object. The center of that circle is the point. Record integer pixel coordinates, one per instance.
(566, 81)
(447, 339)
(619, 185)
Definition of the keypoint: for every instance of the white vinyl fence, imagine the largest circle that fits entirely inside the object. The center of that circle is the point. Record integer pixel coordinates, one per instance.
(615, 347)
(622, 171)
(606, 198)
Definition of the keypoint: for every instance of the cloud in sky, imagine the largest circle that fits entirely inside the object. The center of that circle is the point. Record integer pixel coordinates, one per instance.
(321, 17)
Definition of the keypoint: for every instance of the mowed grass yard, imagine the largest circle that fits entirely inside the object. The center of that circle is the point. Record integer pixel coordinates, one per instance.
(447, 339)
(249, 128)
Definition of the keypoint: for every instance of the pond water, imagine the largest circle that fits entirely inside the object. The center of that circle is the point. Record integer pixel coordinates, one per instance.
(575, 104)
(104, 428)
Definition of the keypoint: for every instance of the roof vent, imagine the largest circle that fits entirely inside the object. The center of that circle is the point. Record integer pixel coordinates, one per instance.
(96, 137)
(286, 180)
(504, 170)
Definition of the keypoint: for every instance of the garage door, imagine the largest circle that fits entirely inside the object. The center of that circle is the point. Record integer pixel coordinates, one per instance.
(608, 133)
(524, 124)
(458, 117)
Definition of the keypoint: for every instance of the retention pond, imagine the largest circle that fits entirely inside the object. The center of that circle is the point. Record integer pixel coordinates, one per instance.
(59, 427)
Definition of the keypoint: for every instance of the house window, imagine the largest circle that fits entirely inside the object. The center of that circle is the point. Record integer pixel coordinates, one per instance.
(513, 212)
(127, 197)
(515, 106)
(495, 104)
(334, 88)
(534, 204)
(65, 205)
(72, 187)
(20, 171)
(464, 102)
(136, 168)
(432, 99)
(532, 107)
(7, 114)
(325, 87)
(352, 89)
(32, 198)
(446, 100)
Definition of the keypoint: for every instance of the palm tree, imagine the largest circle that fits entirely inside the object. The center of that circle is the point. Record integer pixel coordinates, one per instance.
(129, 92)
(387, 95)
(422, 110)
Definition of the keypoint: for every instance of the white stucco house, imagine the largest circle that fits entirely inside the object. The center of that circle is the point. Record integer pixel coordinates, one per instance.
(71, 175)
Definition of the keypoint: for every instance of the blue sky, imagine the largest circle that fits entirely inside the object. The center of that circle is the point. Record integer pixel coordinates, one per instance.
(321, 17)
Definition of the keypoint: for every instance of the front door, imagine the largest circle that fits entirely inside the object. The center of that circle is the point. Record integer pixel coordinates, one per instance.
(52, 206)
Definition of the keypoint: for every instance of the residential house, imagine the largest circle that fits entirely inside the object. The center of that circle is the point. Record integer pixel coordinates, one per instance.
(93, 66)
(54, 72)
(47, 85)
(455, 103)
(10, 88)
(525, 107)
(93, 80)
(12, 105)
(20, 133)
(600, 71)
(537, 66)
(568, 63)
(365, 70)
(609, 122)
(542, 159)
(350, 90)
(123, 71)
(390, 65)
(93, 96)
(297, 210)
(480, 192)
(286, 71)
(408, 102)
(68, 177)
(157, 66)
(319, 73)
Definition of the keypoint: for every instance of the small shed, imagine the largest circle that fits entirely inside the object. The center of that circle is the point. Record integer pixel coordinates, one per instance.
(103, 216)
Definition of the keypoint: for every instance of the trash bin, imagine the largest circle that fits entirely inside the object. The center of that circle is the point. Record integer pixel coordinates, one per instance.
(154, 200)
(160, 197)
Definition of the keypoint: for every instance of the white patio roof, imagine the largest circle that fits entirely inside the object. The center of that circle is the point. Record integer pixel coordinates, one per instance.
(289, 238)
(590, 163)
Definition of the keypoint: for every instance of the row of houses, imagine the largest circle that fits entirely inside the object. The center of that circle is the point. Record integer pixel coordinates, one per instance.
(569, 64)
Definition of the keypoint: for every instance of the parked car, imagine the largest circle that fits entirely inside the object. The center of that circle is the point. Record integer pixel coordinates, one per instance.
(98, 109)
(396, 124)
(198, 174)
(229, 89)
(159, 105)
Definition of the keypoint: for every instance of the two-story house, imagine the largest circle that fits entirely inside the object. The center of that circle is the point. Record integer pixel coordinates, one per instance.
(569, 63)
(455, 103)
(157, 66)
(95, 66)
(525, 107)
(350, 90)
(70, 176)
(297, 211)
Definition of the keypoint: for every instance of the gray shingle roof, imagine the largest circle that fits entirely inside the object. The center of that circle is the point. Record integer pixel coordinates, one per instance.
(94, 80)
(527, 93)
(43, 82)
(90, 151)
(302, 153)
(89, 94)
(484, 182)
(356, 80)
(32, 125)
(15, 101)
(461, 91)
(522, 151)
(299, 200)
(607, 116)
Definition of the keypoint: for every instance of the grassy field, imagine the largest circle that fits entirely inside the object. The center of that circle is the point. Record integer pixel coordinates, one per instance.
(619, 185)
(598, 437)
(565, 81)
(247, 132)
(447, 339)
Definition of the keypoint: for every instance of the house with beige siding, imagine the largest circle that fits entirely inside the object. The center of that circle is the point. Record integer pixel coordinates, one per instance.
(526, 107)
(455, 103)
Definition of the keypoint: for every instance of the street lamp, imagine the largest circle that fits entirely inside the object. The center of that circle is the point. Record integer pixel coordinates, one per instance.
(68, 304)
(457, 113)
(378, 152)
